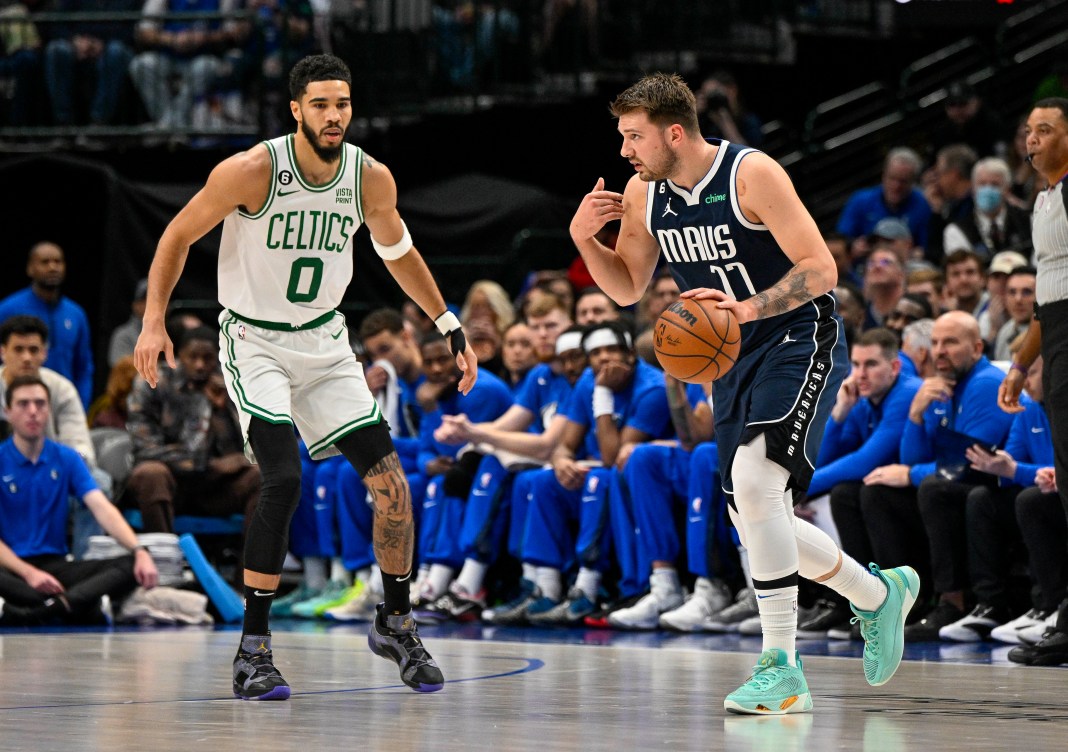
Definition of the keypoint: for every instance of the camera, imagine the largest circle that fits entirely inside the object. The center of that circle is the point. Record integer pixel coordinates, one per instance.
(717, 100)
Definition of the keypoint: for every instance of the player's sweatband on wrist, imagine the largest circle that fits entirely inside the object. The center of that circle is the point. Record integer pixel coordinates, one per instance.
(398, 249)
(1017, 367)
(449, 326)
(604, 402)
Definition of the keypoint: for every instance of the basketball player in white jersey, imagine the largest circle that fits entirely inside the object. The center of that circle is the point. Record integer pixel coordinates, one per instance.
(290, 208)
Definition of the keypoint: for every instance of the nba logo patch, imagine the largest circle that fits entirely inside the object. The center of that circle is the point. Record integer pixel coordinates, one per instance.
(54, 474)
(241, 332)
(486, 478)
(593, 483)
(696, 504)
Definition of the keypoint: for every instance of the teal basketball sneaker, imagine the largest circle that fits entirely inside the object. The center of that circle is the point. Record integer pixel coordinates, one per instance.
(883, 630)
(774, 688)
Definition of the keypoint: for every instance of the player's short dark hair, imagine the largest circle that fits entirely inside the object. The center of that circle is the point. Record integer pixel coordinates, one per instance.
(197, 334)
(381, 320)
(431, 337)
(585, 292)
(317, 68)
(664, 98)
(1054, 103)
(20, 381)
(882, 338)
(23, 325)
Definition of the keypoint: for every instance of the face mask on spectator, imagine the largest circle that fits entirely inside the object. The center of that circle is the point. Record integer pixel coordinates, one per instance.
(987, 198)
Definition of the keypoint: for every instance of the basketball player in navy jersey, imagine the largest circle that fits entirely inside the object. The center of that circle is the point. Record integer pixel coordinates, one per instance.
(730, 225)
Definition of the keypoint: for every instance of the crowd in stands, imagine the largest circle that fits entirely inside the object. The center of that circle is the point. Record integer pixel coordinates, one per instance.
(226, 66)
(577, 484)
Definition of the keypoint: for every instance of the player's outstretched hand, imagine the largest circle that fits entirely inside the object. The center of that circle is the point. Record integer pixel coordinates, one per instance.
(152, 341)
(467, 362)
(598, 208)
(742, 309)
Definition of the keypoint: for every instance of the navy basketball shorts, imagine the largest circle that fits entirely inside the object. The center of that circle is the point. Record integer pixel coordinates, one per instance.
(783, 388)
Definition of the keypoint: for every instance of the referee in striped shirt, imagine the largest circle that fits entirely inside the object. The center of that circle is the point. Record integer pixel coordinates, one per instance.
(1047, 151)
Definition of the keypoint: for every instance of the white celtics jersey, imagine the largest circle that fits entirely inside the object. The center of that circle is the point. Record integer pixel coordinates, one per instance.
(290, 262)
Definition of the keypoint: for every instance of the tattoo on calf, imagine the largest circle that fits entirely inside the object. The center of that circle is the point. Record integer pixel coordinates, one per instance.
(394, 531)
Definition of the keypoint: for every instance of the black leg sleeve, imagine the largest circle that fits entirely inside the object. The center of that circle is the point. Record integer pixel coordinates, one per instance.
(278, 456)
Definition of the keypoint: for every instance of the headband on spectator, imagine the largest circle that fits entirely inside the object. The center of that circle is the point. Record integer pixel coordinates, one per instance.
(568, 341)
(605, 336)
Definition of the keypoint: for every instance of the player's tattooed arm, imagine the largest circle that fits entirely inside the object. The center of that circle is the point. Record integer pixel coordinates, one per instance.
(369, 161)
(785, 295)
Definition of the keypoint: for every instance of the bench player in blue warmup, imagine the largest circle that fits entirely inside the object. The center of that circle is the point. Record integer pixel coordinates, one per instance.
(731, 227)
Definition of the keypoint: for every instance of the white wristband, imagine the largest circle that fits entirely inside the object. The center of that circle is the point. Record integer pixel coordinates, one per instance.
(447, 322)
(398, 249)
(604, 402)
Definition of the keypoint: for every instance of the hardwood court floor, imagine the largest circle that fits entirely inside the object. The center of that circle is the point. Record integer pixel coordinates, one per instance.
(524, 690)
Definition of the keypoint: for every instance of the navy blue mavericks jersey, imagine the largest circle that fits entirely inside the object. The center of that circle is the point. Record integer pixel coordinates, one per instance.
(708, 242)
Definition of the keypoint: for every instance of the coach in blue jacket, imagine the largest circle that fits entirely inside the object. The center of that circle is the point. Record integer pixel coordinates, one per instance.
(924, 498)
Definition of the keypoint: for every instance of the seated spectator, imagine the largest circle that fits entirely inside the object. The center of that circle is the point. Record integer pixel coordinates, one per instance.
(966, 284)
(915, 510)
(419, 322)
(189, 51)
(929, 283)
(24, 348)
(487, 300)
(1020, 306)
(896, 196)
(592, 307)
(124, 336)
(69, 352)
(884, 284)
(188, 446)
(911, 307)
(663, 290)
(915, 352)
(997, 274)
(892, 234)
(518, 354)
(994, 224)
(992, 531)
(89, 56)
(970, 122)
(948, 192)
(38, 584)
(109, 410)
(863, 433)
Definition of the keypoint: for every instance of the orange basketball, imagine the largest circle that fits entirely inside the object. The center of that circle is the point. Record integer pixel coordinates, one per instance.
(697, 342)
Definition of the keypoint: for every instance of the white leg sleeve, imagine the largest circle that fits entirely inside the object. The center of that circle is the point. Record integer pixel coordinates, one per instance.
(759, 495)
